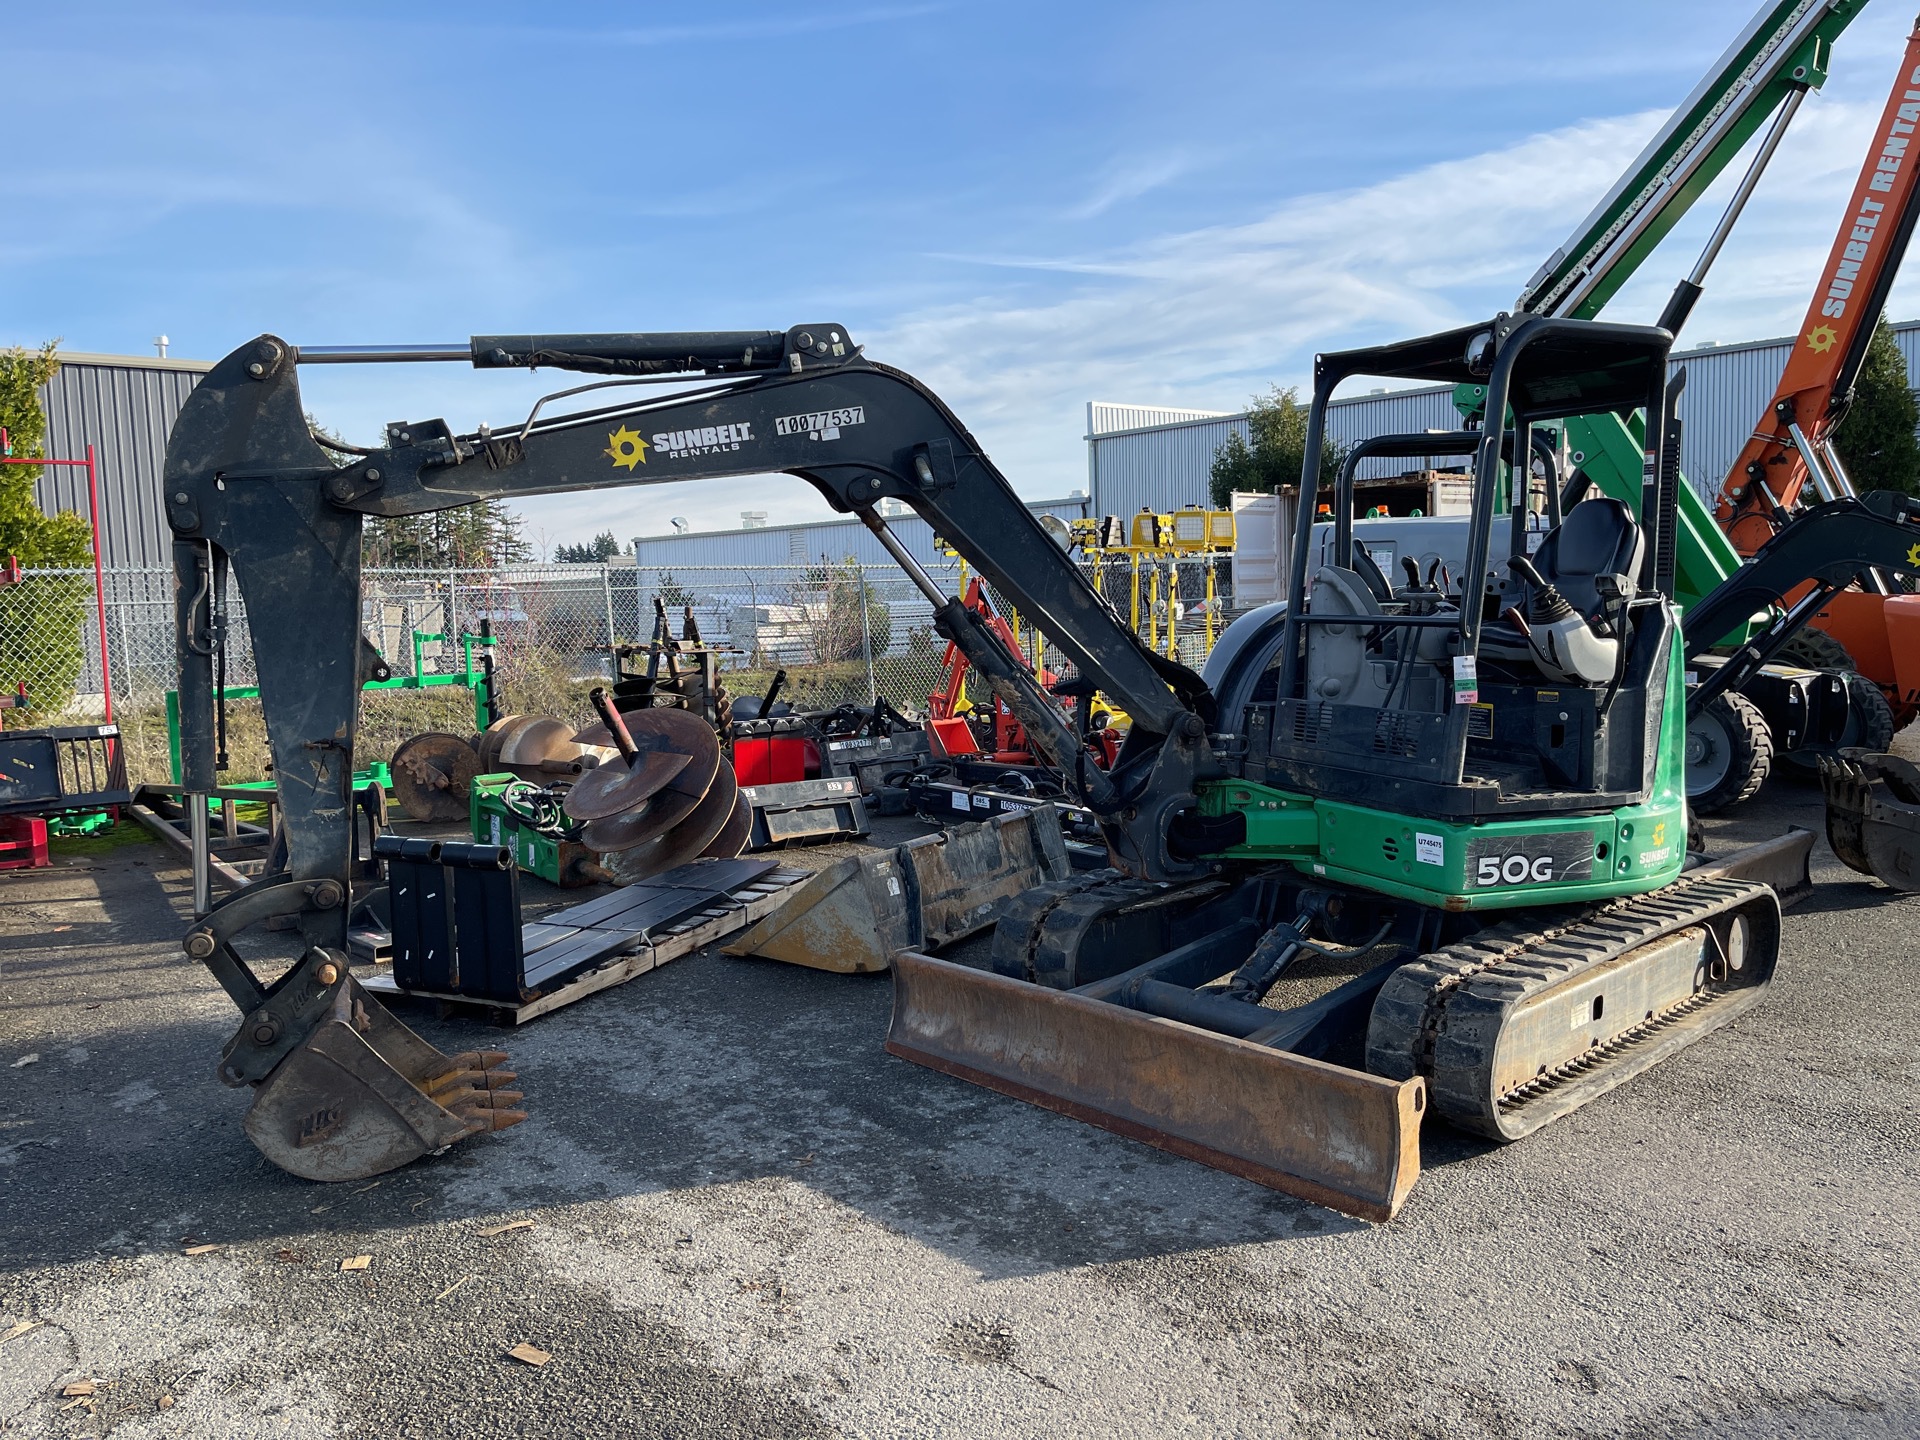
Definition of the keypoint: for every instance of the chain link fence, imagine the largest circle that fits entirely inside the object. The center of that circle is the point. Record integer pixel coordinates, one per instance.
(843, 632)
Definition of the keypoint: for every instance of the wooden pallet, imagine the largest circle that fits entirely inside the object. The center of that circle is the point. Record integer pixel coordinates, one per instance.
(622, 951)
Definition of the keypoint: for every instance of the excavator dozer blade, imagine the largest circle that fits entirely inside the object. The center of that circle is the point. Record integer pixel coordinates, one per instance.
(1873, 815)
(1340, 1138)
(1783, 863)
(363, 1095)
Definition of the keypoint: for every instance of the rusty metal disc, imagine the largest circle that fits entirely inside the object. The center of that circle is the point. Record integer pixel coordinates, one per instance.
(636, 827)
(539, 738)
(492, 738)
(618, 788)
(734, 835)
(675, 801)
(673, 751)
(433, 776)
(686, 840)
(643, 719)
(544, 750)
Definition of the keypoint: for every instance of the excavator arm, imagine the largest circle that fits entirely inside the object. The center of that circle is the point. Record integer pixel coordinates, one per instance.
(1831, 547)
(250, 491)
(342, 1089)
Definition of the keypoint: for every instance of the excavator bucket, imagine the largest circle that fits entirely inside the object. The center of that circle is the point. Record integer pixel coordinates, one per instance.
(1873, 814)
(1338, 1137)
(363, 1095)
(856, 914)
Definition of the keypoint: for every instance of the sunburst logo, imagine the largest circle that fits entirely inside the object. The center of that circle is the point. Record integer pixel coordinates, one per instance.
(1821, 339)
(627, 448)
(1913, 556)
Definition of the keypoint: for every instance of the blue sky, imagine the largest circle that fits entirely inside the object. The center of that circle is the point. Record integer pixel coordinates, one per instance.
(1029, 205)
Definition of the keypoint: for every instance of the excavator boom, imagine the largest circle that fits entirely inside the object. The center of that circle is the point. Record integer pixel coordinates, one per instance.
(343, 1090)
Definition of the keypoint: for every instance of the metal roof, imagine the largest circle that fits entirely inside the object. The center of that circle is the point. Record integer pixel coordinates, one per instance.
(1163, 466)
(1106, 418)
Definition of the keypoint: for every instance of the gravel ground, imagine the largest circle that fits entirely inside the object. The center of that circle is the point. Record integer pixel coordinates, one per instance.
(748, 1221)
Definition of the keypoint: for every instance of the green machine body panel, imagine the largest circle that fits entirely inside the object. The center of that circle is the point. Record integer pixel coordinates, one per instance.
(554, 858)
(1491, 865)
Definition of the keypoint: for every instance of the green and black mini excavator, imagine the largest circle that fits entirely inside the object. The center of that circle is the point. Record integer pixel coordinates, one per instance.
(1401, 847)
(1471, 810)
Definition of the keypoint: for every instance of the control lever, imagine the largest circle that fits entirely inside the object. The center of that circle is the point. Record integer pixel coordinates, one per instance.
(1564, 644)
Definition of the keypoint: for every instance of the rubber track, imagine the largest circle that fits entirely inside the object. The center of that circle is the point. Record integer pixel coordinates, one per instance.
(1018, 933)
(1441, 1016)
(1038, 936)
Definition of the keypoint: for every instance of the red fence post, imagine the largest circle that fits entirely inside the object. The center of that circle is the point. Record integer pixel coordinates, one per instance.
(99, 583)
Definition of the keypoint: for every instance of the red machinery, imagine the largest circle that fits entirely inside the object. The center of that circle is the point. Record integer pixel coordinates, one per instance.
(1002, 739)
(1792, 444)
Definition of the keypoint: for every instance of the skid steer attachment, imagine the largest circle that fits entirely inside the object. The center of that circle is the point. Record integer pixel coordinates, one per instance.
(1873, 815)
(854, 916)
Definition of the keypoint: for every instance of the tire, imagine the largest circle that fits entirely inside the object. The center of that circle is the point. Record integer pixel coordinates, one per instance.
(1816, 650)
(1729, 753)
(1869, 717)
(1870, 723)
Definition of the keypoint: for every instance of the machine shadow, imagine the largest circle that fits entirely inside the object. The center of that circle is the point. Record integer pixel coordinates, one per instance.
(711, 1072)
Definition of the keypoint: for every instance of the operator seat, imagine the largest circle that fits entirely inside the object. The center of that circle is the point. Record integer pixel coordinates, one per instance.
(1599, 537)
(1571, 620)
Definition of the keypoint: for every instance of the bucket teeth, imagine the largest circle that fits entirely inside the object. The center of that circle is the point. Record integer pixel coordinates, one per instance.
(485, 1111)
(469, 1068)
(363, 1094)
(474, 1087)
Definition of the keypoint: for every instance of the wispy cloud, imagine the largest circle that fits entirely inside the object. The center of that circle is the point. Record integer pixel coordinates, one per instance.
(1129, 179)
(1208, 316)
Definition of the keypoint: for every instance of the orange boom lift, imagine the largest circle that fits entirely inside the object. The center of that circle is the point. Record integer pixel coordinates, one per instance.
(1877, 623)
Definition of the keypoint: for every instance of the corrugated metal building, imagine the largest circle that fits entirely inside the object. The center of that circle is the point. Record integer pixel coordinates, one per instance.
(122, 405)
(1163, 464)
(815, 542)
(1137, 455)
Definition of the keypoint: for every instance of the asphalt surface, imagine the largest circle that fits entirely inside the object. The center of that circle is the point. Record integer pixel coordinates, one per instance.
(749, 1221)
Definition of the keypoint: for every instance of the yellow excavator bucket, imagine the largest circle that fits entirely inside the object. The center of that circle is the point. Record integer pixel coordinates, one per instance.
(363, 1094)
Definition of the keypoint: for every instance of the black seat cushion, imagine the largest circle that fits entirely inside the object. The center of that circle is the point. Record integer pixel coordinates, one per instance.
(1598, 537)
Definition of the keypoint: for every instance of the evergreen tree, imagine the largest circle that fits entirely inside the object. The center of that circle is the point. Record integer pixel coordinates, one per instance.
(482, 536)
(1277, 424)
(597, 551)
(41, 619)
(1876, 437)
